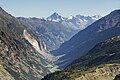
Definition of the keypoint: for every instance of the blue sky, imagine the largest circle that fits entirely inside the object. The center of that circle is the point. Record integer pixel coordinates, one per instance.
(43, 8)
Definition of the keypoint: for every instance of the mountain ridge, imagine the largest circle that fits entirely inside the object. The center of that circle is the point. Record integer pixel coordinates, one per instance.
(75, 22)
(17, 56)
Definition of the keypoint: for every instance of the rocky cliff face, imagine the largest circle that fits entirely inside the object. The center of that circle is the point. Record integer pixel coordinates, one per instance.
(37, 45)
(4, 75)
(19, 58)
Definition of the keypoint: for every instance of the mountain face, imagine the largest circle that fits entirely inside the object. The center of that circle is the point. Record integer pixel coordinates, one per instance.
(101, 63)
(105, 28)
(77, 22)
(22, 56)
(104, 52)
(53, 34)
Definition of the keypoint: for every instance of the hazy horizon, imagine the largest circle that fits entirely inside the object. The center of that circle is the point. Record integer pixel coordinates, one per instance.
(44, 8)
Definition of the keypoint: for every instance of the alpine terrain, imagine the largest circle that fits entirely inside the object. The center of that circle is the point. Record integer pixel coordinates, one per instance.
(104, 28)
(101, 63)
(55, 29)
(77, 47)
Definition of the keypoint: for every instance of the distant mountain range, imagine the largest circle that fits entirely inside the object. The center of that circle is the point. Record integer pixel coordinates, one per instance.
(56, 29)
(75, 22)
(104, 28)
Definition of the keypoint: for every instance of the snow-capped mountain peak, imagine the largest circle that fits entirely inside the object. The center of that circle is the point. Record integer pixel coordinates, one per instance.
(55, 17)
(70, 17)
(78, 22)
(96, 17)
